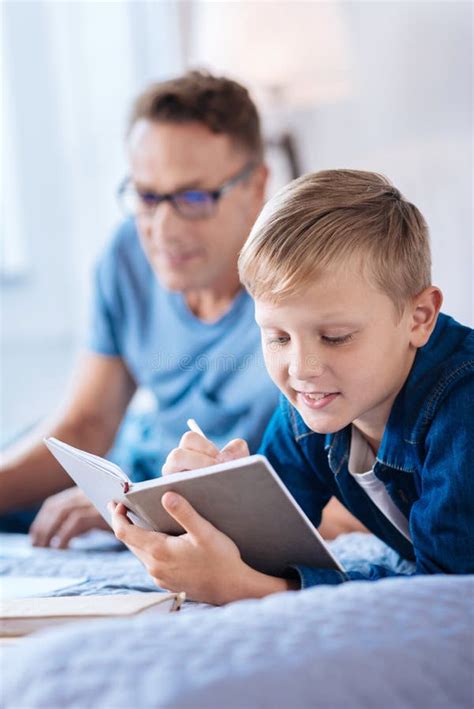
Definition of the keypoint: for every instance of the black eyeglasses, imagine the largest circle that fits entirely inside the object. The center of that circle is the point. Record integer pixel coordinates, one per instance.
(190, 204)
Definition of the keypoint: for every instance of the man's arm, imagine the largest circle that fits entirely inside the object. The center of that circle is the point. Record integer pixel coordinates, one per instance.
(338, 520)
(100, 391)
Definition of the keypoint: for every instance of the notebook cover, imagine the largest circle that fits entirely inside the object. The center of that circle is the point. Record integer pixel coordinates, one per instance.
(25, 615)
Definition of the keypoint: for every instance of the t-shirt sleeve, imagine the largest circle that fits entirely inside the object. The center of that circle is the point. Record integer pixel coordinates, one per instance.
(105, 306)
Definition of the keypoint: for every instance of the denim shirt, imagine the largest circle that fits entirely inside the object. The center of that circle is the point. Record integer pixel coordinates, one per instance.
(425, 460)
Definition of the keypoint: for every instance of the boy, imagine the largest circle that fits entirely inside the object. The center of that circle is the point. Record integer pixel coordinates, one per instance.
(378, 391)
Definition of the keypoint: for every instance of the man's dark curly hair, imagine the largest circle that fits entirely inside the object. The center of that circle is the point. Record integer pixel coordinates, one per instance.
(222, 105)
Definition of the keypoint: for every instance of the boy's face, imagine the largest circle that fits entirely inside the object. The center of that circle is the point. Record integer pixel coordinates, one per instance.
(338, 352)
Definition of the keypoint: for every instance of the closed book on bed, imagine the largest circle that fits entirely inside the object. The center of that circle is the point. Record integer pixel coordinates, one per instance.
(21, 616)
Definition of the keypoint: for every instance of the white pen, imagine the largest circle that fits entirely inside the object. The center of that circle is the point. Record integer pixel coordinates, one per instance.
(193, 426)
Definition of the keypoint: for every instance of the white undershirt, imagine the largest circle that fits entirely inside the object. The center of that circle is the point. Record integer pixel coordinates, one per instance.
(361, 461)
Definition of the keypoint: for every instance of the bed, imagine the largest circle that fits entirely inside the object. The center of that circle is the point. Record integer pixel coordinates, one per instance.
(396, 643)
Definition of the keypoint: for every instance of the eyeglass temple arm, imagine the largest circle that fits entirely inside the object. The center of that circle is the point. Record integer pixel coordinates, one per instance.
(234, 180)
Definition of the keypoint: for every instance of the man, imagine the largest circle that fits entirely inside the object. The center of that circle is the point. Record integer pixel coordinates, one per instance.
(169, 312)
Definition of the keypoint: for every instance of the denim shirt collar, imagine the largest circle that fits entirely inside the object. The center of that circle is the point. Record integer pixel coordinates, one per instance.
(395, 451)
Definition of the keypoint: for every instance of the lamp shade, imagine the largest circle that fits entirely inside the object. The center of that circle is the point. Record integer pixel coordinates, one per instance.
(290, 52)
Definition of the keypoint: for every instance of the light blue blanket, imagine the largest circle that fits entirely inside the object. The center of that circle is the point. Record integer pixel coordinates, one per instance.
(392, 644)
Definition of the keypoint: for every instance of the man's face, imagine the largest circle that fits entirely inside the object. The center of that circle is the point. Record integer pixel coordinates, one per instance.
(338, 352)
(200, 253)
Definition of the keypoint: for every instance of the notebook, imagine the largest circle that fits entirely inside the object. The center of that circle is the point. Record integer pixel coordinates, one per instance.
(22, 616)
(245, 499)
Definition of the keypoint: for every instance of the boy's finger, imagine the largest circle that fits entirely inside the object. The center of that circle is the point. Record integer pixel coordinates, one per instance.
(195, 442)
(179, 460)
(129, 533)
(237, 448)
(185, 514)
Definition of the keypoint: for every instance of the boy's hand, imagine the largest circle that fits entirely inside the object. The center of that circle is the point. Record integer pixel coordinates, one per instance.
(195, 451)
(203, 562)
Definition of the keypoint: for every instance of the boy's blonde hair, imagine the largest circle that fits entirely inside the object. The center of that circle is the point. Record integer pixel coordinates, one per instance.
(330, 218)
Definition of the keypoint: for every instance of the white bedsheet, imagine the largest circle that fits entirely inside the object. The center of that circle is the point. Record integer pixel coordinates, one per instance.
(398, 643)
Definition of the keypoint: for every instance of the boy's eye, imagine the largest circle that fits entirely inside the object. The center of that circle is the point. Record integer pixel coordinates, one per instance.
(336, 340)
(276, 341)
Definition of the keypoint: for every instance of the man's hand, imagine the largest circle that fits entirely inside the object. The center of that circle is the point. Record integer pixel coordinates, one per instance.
(337, 520)
(195, 451)
(64, 516)
(203, 561)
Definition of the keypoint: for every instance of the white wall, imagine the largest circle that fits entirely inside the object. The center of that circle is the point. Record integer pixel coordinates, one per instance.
(72, 71)
(410, 117)
(74, 68)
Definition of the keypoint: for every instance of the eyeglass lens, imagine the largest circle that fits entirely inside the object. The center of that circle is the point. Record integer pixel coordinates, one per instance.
(191, 204)
(194, 204)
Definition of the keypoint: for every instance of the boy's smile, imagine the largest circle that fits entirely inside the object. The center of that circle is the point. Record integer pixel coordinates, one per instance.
(317, 400)
(338, 351)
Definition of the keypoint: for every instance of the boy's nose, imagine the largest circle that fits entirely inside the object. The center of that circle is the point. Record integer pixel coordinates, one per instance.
(305, 367)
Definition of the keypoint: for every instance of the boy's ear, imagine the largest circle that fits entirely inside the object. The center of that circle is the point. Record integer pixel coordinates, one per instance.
(425, 308)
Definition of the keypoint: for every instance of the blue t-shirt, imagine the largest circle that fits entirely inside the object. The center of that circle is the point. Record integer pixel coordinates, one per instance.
(213, 372)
